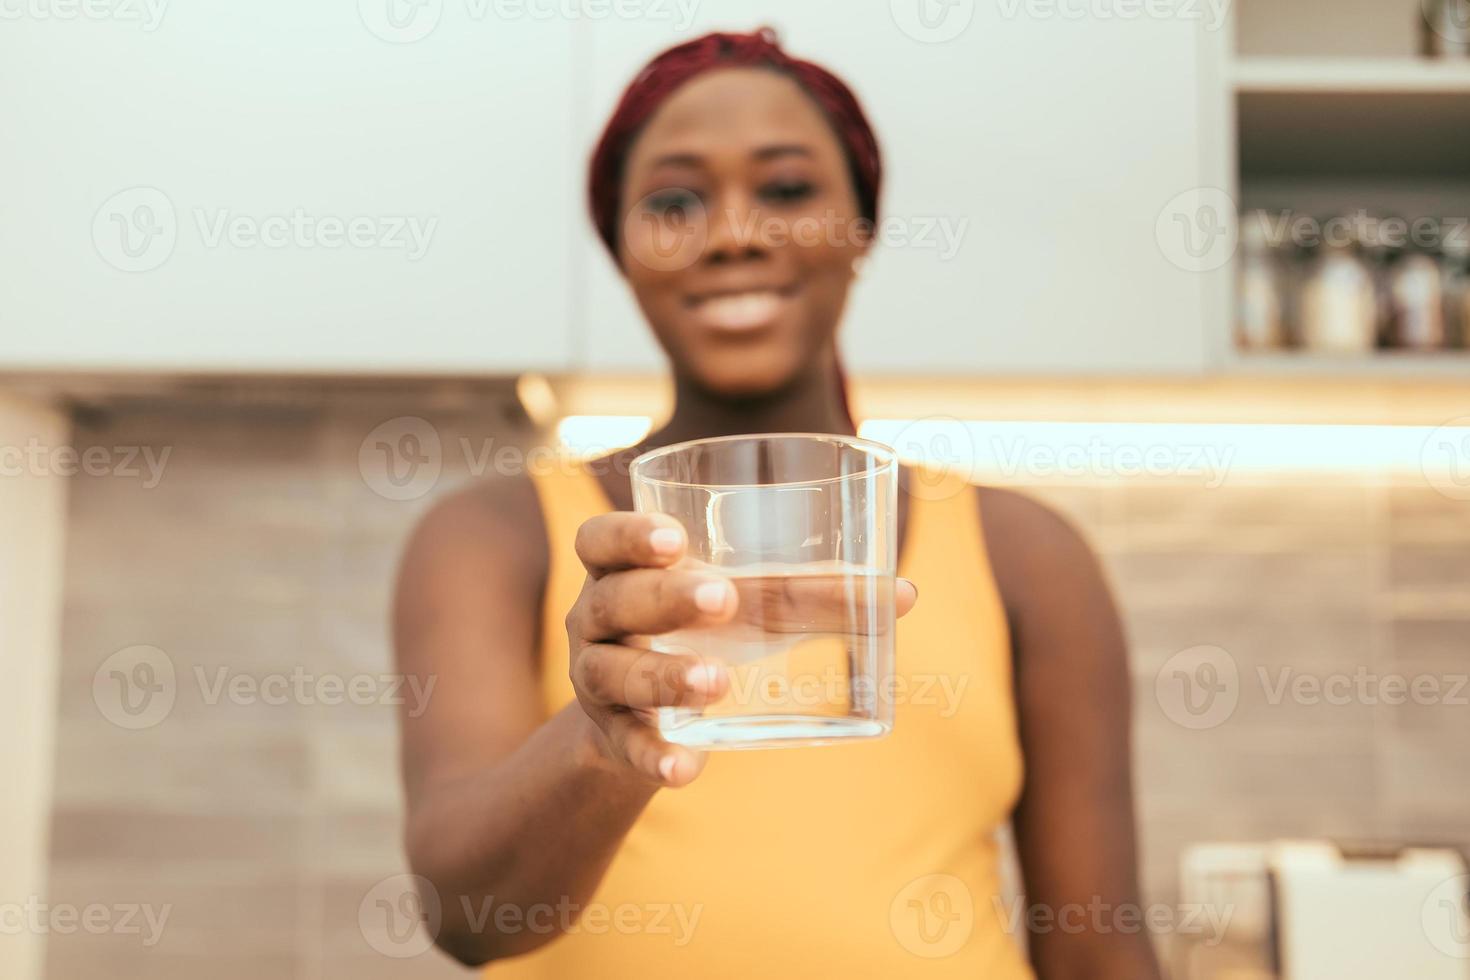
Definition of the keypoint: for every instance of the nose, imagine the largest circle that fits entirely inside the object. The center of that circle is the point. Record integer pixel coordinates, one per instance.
(737, 231)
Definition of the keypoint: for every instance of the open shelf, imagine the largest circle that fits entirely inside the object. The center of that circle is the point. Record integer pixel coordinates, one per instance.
(1388, 117)
(1354, 76)
(1386, 364)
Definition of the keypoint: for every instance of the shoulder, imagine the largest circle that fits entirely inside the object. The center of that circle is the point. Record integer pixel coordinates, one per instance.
(485, 520)
(1035, 553)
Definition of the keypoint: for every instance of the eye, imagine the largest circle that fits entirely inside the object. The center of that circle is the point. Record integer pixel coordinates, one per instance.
(673, 203)
(787, 191)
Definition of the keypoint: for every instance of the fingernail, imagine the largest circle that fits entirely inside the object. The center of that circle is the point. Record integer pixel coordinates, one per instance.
(910, 584)
(702, 676)
(710, 597)
(666, 540)
(666, 768)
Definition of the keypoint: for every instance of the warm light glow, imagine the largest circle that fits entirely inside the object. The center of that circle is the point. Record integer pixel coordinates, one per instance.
(1043, 451)
(592, 435)
(537, 398)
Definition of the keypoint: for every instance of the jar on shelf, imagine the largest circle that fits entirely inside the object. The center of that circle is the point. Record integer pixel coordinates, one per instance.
(1416, 292)
(1455, 270)
(1339, 306)
(1262, 294)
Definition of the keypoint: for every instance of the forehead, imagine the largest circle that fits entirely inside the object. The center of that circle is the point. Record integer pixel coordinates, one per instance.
(735, 110)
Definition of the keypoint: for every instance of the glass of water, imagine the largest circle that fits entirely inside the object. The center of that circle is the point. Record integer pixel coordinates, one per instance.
(805, 528)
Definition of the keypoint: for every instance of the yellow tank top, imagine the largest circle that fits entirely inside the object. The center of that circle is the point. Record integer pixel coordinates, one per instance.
(872, 859)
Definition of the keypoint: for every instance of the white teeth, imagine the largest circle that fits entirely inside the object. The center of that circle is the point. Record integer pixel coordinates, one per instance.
(740, 310)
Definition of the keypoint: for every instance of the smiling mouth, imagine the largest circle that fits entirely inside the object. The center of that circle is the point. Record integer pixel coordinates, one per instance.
(743, 310)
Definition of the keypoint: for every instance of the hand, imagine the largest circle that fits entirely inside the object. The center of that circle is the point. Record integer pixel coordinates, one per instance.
(632, 592)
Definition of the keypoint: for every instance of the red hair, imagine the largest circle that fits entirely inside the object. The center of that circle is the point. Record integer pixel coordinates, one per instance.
(671, 69)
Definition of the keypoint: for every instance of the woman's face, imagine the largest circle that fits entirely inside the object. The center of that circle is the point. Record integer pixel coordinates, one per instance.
(740, 231)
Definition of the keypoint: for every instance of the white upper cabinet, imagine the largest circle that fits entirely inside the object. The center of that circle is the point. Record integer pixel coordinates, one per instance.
(368, 185)
(399, 185)
(1030, 154)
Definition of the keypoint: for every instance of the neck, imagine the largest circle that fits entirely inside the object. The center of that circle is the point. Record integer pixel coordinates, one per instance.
(812, 403)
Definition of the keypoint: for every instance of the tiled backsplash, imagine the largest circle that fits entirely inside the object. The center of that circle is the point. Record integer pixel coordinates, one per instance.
(264, 551)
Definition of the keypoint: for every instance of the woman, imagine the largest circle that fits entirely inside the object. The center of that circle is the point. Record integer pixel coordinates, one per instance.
(735, 187)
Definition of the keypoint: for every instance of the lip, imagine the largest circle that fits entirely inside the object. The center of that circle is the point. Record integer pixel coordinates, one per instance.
(738, 309)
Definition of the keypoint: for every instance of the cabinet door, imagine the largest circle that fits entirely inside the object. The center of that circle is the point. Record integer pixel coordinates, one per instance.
(369, 185)
(1030, 152)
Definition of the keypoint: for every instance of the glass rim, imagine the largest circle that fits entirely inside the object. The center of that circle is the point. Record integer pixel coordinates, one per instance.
(885, 458)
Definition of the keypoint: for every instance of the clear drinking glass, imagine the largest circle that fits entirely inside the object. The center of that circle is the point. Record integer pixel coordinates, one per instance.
(805, 527)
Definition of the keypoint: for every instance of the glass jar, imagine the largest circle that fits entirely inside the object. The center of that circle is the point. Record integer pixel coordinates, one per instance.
(1339, 306)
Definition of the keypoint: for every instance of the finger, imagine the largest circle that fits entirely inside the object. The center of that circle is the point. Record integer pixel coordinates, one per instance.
(822, 603)
(905, 595)
(618, 675)
(652, 601)
(641, 747)
(609, 542)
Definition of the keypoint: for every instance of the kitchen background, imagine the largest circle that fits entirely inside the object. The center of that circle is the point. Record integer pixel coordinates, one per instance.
(1116, 230)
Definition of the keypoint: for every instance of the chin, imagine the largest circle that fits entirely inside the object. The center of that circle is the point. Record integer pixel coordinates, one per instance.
(731, 379)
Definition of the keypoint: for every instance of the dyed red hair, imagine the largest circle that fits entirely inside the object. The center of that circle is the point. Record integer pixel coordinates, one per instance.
(671, 69)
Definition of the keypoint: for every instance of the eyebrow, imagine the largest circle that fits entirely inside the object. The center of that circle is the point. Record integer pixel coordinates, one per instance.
(772, 152)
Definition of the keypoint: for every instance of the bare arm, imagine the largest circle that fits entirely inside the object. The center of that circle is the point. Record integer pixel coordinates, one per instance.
(503, 801)
(1074, 823)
